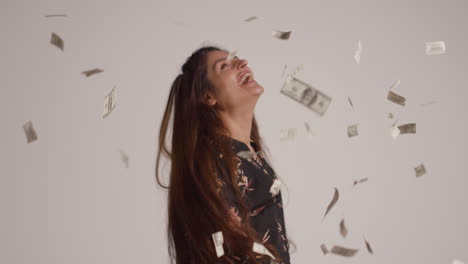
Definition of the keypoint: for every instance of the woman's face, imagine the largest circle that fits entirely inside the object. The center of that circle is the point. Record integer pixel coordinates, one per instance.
(231, 92)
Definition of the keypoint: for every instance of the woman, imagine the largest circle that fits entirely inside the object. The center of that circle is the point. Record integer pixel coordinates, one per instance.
(220, 179)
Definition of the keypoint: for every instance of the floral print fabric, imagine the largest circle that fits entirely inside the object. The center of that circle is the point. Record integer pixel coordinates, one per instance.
(260, 186)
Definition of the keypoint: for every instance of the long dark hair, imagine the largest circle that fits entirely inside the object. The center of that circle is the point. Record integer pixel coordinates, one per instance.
(196, 208)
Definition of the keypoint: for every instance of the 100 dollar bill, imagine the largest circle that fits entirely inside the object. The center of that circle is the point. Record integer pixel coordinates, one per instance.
(307, 95)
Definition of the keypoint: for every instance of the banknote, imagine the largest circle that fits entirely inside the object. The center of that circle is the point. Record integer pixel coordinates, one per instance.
(395, 84)
(360, 181)
(420, 170)
(250, 19)
(334, 200)
(91, 72)
(56, 41)
(403, 129)
(342, 251)
(231, 55)
(218, 241)
(284, 70)
(109, 103)
(124, 157)
(55, 15)
(435, 48)
(397, 99)
(324, 249)
(261, 249)
(309, 131)
(295, 72)
(281, 34)
(358, 52)
(307, 95)
(350, 102)
(31, 135)
(395, 131)
(368, 246)
(353, 130)
(343, 229)
(407, 128)
(288, 134)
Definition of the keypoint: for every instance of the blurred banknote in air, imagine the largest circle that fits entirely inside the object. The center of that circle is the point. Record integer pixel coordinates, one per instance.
(109, 103)
(281, 34)
(31, 135)
(307, 95)
(435, 48)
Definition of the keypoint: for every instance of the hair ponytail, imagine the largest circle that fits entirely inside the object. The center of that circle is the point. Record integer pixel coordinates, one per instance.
(165, 123)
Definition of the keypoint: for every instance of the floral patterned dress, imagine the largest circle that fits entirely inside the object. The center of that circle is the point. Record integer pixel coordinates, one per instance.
(261, 188)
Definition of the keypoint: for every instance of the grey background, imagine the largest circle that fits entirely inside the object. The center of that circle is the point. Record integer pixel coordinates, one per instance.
(68, 198)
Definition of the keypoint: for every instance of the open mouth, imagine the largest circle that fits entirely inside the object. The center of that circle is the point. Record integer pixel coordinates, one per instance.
(246, 79)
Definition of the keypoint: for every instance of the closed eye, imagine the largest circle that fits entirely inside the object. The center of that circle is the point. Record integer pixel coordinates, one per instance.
(225, 64)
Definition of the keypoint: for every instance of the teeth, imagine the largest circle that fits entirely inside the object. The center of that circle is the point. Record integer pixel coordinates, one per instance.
(247, 75)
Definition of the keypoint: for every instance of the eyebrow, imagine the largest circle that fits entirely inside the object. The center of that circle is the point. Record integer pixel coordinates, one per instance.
(219, 60)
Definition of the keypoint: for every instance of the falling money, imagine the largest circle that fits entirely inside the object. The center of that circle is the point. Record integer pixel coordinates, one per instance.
(281, 35)
(288, 134)
(307, 95)
(31, 135)
(56, 15)
(395, 131)
(335, 198)
(395, 84)
(342, 251)
(407, 128)
(92, 72)
(403, 129)
(251, 19)
(368, 246)
(324, 249)
(261, 249)
(109, 103)
(124, 157)
(350, 102)
(231, 55)
(360, 181)
(284, 70)
(275, 187)
(343, 229)
(352, 130)
(435, 48)
(397, 99)
(357, 54)
(245, 154)
(420, 170)
(308, 129)
(295, 72)
(218, 241)
(56, 41)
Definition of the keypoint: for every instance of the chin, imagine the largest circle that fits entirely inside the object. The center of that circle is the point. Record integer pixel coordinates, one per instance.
(259, 90)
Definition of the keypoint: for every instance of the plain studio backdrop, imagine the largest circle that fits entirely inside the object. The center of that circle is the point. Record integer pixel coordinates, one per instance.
(69, 198)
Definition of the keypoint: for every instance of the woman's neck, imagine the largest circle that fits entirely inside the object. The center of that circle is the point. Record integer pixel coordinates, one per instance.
(238, 126)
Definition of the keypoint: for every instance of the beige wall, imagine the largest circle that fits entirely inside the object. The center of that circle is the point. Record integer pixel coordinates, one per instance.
(68, 198)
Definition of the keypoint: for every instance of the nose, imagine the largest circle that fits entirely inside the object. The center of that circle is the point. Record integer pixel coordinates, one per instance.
(241, 64)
